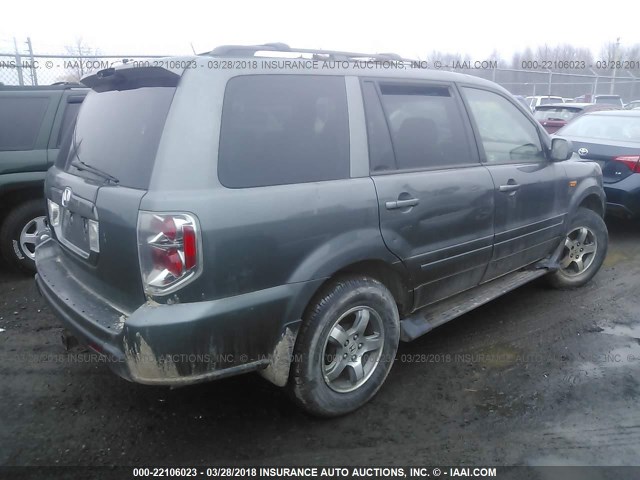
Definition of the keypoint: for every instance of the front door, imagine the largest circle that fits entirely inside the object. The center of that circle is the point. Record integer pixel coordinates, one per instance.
(529, 189)
(435, 198)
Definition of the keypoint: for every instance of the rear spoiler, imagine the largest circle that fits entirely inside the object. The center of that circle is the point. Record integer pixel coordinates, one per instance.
(130, 78)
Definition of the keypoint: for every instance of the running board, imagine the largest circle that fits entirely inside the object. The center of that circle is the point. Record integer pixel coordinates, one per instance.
(433, 316)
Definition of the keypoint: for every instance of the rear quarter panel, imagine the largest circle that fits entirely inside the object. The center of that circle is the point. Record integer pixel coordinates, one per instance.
(261, 237)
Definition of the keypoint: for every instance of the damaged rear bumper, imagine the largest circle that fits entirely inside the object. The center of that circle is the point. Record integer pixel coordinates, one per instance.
(175, 344)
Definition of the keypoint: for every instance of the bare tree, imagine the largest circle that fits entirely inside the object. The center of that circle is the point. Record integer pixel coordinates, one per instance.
(76, 66)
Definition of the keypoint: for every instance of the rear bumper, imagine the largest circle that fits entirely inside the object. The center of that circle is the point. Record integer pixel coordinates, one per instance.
(170, 344)
(623, 197)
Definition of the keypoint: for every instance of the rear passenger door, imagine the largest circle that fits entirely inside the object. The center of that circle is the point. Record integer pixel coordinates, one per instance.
(530, 195)
(435, 198)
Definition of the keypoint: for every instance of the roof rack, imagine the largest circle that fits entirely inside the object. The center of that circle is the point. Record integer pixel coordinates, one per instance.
(250, 50)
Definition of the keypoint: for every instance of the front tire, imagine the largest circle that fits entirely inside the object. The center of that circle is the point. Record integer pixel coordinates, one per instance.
(585, 248)
(345, 347)
(19, 233)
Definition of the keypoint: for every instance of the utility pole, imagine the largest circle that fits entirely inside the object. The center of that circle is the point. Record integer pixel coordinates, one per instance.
(18, 62)
(615, 61)
(34, 75)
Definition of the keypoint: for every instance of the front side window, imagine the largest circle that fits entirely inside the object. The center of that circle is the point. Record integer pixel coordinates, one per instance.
(426, 126)
(283, 129)
(506, 133)
(20, 121)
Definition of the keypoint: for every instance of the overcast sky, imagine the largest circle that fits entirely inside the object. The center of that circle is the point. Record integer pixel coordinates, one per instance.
(410, 28)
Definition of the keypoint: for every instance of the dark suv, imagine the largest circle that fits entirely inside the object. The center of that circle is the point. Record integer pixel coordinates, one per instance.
(33, 123)
(229, 213)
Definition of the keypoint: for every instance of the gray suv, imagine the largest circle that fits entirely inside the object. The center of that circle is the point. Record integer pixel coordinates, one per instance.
(229, 213)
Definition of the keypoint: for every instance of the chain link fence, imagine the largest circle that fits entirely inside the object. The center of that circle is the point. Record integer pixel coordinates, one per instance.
(564, 84)
(20, 69)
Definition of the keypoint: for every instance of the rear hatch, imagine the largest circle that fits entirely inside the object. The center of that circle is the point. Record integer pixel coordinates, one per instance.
(611, 140)
(101, 175)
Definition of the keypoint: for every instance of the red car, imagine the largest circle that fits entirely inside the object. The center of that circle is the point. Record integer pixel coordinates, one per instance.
(557, 115)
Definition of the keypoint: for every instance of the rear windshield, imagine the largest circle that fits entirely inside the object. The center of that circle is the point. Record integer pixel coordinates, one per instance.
(617, 128)
(118, 133)
(609, 100)
(548, 100)
(559, 113)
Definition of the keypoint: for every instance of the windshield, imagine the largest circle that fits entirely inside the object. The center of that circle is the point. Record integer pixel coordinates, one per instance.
(617, 128)
(117, 134)
(559, 113)
(548, 100)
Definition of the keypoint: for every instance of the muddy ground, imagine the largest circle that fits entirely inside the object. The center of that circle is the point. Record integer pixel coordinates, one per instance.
(536, 377)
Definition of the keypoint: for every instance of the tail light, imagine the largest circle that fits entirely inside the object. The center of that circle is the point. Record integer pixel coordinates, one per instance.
(169, 249)
(631, 161)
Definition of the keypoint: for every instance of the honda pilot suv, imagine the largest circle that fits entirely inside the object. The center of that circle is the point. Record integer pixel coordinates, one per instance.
(229, 213)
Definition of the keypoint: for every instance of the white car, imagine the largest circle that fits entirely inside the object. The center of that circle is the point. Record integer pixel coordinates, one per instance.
(542, 100)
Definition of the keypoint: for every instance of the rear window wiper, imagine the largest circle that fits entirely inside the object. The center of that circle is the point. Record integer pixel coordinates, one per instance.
(80, 165)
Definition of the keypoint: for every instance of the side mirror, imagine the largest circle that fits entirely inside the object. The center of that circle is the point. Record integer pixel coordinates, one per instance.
(561, 149)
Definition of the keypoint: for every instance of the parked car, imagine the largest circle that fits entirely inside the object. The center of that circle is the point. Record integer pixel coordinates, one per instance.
(557, 115)
(33, 123)
(207, 222)
(613, 140)
(606, 99)
(632, 105)
(522, 100)
(542, 100)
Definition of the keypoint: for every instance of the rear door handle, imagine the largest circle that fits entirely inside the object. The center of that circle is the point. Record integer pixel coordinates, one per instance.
(410, 202)
(511, 187)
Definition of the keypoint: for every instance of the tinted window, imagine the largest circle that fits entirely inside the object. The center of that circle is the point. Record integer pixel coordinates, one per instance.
(605, 127)
(507, 134)
(282, 129)
(20, 121)
(118, 132)
(68, 121)
(426, 126)
(381, 156)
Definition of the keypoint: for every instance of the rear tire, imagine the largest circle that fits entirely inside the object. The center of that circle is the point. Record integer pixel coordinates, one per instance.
(346, 346)
(19, 233)
(585, 249)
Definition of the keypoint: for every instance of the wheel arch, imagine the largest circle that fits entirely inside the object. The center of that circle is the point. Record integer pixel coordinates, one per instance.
(590, 195)
(593, 202)
(392, 275)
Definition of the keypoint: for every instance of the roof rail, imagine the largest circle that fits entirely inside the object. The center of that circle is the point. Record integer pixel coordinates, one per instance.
(250, 51)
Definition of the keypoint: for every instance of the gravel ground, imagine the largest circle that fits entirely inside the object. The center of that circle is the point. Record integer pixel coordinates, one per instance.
(536, 377)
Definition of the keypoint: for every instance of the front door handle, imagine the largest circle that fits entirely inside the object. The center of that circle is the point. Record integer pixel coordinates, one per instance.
(511, 187)
(410, 202)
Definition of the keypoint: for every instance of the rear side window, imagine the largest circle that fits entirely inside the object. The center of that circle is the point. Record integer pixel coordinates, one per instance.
(426, 126)
(68, 120)
(118, 132)
(283, 129)
(381, 156)
(20, 121)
